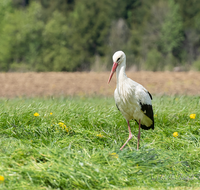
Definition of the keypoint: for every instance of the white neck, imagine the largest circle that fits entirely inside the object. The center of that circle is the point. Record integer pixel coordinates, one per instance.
(120, 72)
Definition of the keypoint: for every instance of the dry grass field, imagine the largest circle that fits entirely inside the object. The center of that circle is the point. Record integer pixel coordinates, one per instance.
(91, 83)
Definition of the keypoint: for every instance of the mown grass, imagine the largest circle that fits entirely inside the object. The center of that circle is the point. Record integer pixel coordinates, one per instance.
(83, 152)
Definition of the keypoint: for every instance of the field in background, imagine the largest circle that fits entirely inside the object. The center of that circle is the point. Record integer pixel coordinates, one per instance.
(91, 83)
(73, 143)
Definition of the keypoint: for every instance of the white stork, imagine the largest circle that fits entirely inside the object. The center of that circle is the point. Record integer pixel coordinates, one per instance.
(131, 98)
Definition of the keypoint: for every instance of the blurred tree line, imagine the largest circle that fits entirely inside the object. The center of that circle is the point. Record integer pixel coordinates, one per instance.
(81, 35)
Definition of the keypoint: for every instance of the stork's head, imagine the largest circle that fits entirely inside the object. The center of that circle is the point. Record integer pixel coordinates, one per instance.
(118, 58)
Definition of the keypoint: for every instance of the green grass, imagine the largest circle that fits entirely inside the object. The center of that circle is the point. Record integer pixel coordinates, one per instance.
(37, 153)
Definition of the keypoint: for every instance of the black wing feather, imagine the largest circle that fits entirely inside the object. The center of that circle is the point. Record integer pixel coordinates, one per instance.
(148, 111)
(150, 95)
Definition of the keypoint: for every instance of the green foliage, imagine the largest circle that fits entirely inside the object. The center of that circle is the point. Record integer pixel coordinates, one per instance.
(154, 60)
(89, 31)
(189, 12)
(171, 31)
(196, 65)
(21, 36)
(47, 35)
(55, 55)
(163, 34)
(37, 152)
(5, 7)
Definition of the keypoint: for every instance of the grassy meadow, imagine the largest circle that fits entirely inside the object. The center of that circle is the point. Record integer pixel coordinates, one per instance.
(73, 143)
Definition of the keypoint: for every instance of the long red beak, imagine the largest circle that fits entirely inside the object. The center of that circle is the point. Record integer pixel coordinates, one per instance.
(114, 67)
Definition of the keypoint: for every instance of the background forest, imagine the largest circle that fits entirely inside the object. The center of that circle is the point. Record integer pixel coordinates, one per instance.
(82, 35)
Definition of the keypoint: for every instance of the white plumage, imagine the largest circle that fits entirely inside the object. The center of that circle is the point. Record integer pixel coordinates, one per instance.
(131, 98)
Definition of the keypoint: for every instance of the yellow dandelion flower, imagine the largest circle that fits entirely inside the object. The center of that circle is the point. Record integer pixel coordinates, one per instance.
(36, 114)
(99, 135)
(175, 134)
(114, 155)
(2, 178)
(155, 115)
(63, 126)
(192, 116)
(51, 113)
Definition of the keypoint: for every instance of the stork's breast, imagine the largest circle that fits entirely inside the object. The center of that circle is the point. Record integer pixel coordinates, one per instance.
(129, 107)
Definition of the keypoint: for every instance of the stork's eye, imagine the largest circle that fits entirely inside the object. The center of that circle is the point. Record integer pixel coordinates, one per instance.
(118, 59)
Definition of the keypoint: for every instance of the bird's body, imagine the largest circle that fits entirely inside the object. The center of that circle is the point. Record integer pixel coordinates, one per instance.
(131, 98)
(129, 102)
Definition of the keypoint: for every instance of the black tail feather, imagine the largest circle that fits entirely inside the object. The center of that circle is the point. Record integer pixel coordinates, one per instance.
(145, 127)
(148, 111)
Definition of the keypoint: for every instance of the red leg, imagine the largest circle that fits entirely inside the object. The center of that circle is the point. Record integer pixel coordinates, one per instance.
(129, 138)
(138, 136)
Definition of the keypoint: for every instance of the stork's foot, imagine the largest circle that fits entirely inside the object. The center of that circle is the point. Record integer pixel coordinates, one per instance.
(129, 138)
